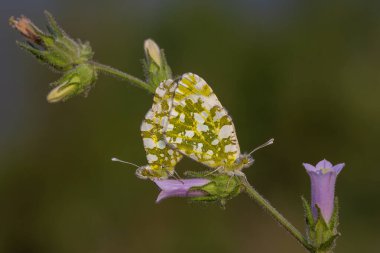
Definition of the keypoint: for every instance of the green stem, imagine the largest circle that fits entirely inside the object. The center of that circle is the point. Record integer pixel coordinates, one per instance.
(127, 77)
(275, 214)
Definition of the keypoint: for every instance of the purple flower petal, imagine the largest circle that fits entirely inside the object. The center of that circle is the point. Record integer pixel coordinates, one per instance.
(164, 195)
(324, 164)
(337, 168)
(323, 178)
(179, 188)
(309, 167)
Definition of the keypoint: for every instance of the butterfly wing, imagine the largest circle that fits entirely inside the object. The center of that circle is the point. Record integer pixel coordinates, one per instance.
(199, 126)
(161, 157)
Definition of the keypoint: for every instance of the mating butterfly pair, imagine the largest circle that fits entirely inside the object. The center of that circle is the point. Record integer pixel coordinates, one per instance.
(187, 118)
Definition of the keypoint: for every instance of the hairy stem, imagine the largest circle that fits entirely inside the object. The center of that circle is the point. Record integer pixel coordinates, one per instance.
(275, 214)
(124, 76)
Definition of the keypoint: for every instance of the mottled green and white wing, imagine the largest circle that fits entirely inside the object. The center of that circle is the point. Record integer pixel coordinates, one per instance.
(161, 157)
(199, 126)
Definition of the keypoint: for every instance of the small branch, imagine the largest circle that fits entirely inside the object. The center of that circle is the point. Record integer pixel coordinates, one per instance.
(127, 77)
(275, 214)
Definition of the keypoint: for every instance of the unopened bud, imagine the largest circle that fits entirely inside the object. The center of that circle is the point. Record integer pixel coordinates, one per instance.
(74, 82)
(61, 92)
(155, 65)
(153, 51)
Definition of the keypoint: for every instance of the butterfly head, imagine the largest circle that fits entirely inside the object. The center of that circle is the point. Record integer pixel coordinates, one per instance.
(244, 161)
(149, 172)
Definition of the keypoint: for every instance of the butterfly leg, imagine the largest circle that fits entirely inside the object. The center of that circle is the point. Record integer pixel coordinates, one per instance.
(229, 180)
(175, 175)
(212, 172)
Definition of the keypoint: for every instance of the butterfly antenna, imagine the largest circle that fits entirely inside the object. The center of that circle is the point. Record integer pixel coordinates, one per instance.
(121, 161)
(270, 142)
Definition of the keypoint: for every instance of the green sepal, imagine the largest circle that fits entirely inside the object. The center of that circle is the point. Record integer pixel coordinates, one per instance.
(329, 244)
(334, 221)
(53, 26)
(308, 213)
(322, 234)
(56, 61)
(166, 70)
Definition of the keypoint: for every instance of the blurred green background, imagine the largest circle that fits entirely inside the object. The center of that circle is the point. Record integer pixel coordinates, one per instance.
(305, 73)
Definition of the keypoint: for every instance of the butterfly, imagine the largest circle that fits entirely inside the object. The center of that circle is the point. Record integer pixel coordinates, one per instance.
(200, 127)
(161, 157)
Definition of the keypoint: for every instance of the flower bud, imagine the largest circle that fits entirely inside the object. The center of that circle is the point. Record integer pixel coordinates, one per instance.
(155, 66)
(53, 47)
(76, 81)
(152, 51)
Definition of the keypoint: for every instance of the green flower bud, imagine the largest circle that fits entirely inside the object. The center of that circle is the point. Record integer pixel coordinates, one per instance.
(155, 66)
(54, 47)
(78, 80)
(221, 187)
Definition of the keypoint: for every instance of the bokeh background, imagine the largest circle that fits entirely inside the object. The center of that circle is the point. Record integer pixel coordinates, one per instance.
(305, 73)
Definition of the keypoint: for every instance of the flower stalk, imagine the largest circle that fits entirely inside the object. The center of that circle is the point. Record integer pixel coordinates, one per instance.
(263, 203)
(123, 76)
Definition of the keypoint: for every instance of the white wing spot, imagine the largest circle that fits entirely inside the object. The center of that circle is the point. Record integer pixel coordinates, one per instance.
(178, 140)
(202, 128)
(149, 143)
(226, 131)
(174, 113)
(146, 126)
(149, 115)
(161, 144)
(200, 84)
(160, 92)
(204, 114)
(151, 158)
(198, 118)
(164, 121)
(199, 147)
(230, 148)
(189, 133)
(170, 152)
(157, 107)
(215, 142)
(182, 117)
(210, 152)
(169, 127)
(218, 115)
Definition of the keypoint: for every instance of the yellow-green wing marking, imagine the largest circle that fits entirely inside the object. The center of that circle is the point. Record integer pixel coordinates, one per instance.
(161, 157)
(200, 127)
